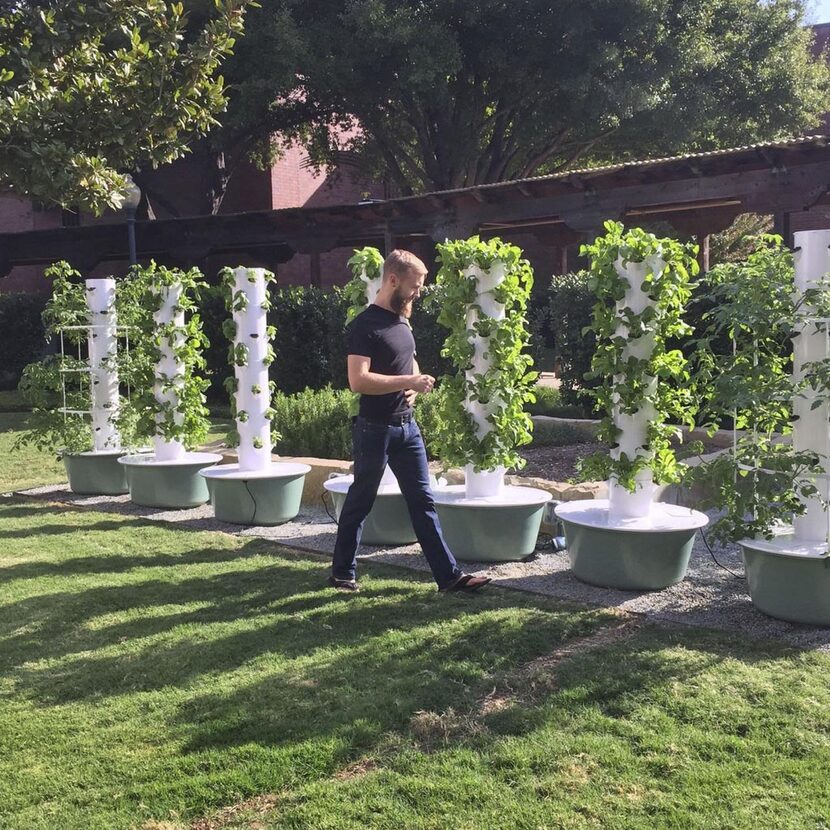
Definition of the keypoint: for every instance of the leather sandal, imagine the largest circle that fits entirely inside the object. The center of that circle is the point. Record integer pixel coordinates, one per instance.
(347, 585)
(467, 583)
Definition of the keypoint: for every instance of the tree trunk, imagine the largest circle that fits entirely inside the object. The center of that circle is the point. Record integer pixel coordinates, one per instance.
(216, 176)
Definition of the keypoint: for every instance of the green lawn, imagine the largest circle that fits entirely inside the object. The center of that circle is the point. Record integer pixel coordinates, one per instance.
(151, 676)
(28, 467)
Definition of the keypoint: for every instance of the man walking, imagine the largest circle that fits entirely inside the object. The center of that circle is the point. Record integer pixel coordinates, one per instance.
(383, 369)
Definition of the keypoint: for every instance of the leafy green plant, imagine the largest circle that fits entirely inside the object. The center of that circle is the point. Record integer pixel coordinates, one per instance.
(366, 264)
(626, 383)
(506, 386)
(57, 387)
(570, 314)
(187, 421)
(759, 484)
(548, 401)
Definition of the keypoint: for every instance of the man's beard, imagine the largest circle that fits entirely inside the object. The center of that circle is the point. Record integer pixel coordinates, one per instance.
(401, 304)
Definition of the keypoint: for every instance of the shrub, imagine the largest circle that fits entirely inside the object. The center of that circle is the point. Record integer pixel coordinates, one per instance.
(570, 312)
(429, 336)
(548, 399)
(313, 423)
(306, 319)
(22, 335)
(427, 414)
(552, 434)
(308, 346)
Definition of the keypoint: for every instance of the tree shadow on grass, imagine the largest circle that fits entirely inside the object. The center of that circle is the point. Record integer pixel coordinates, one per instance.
(284, 607)
(59, 529)
(22, 507)
(122, 563)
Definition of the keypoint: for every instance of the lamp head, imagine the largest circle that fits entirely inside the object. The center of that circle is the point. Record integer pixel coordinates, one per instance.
(132, 195)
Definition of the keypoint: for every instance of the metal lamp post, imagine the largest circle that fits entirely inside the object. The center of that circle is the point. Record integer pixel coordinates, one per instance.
(131, 200)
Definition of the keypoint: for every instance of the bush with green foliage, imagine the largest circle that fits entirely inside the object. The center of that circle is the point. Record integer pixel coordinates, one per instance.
(306, 319)
(314, 422)
(764, 481)
(22, 335)
(570, 313)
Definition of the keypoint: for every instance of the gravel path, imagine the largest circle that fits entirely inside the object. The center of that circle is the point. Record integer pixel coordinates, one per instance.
(709, 597)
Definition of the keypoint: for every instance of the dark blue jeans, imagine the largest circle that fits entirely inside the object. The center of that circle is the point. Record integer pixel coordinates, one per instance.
(402, 447)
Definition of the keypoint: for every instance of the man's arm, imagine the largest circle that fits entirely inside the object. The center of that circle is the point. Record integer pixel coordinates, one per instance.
(371, 383)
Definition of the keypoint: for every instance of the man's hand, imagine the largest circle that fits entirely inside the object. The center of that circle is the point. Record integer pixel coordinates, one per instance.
(422, 383)
(409, 396)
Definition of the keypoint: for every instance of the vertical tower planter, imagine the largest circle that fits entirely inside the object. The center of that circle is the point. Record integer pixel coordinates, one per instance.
(483, 291)
(173, 397)
(630, 541)
(775, 495)
(75, 399)
(255, 490)
(388, 522)
(98, 471)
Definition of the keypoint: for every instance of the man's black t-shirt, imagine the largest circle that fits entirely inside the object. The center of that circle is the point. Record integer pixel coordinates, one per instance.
(387, 339)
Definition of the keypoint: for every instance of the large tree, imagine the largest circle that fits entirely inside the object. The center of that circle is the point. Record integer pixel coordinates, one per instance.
(451, 93)
(89, 90)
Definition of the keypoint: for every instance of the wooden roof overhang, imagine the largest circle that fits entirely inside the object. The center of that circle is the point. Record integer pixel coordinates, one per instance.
(696, 193)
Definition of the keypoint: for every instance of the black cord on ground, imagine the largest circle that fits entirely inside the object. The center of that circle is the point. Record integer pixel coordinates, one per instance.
(252, 499)
(326, 507)
(714, 558)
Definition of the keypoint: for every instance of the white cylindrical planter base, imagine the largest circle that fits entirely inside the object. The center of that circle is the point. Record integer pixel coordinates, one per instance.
(484, 484)
(623, 504)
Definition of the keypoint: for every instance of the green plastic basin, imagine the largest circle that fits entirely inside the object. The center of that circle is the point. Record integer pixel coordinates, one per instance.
(786, 585)
(96, 474)
(640, 555)
(168, 484)
(258, 499)
(388, 523)
(493, 529)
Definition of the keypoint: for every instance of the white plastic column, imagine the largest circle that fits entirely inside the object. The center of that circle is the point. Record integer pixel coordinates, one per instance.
(486, 483)
(633, 436)
(169, 368)
(252, 393)
(372, 286)
(810, 429)
(103, 376)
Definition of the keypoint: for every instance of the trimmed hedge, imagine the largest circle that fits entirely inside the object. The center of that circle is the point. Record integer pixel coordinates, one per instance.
(22, 337)
(314, 422)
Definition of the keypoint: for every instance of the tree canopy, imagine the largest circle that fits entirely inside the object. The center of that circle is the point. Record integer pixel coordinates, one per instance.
(449, 93)
(89, 90)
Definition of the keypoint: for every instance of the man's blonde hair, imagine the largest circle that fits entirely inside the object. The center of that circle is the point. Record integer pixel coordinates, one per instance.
(401, 262)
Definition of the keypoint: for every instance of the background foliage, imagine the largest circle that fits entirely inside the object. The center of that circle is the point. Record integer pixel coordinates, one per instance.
(446, 93)
(22, 335)
(88, 90)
